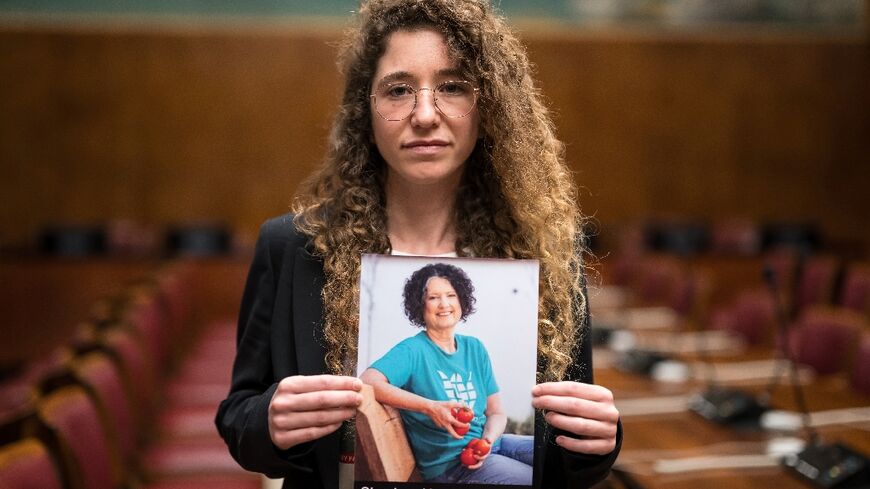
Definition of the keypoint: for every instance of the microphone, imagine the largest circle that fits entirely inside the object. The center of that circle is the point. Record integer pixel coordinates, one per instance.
(724, 405)
(632, 359)
(822, 465)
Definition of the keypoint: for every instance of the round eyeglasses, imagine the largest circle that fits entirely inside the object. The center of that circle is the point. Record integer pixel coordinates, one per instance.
(396, 101)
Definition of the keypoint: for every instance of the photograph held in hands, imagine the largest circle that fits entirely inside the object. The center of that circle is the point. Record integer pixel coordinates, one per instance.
(447, 354)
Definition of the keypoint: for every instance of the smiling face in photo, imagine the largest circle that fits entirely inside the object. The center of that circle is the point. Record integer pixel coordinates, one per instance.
(442, 309)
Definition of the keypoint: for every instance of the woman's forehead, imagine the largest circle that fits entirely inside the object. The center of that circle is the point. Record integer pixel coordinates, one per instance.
(440, 283)
(414, 54)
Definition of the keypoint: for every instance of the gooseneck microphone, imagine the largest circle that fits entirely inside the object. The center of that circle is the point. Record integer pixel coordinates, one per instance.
(782, 322)
(725, 405)
(828, 466)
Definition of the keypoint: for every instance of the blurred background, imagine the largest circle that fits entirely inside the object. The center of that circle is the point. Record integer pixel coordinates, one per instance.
(143, 142)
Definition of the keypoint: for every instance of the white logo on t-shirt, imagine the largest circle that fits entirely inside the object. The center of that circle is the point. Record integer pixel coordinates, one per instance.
(457, 389)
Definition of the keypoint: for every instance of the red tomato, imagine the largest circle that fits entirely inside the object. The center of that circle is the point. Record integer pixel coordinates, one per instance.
(463, 414)
(482, 446)
(462, 430)
(467, 457)
(472, 443)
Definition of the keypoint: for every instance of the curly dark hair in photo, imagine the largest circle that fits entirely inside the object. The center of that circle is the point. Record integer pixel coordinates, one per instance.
(416, 285)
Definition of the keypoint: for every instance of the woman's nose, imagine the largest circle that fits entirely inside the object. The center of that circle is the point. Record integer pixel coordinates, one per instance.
(426, 112)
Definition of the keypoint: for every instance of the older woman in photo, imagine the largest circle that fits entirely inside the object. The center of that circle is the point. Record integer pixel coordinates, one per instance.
(419, 377)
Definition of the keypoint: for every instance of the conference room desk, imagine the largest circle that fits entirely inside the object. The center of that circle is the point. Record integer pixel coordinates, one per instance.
(660, 448)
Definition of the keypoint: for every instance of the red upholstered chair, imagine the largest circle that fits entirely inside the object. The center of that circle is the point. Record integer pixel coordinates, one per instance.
(816, 285)
(86, 454)
(101, 375)
(752, 316)
(783, 263)
(861, 370)
(17, 395)
(657, 280)
(826, 339)
(138, 372)
(145, 315)
(690, 296)
(855, 293)
(27, 464)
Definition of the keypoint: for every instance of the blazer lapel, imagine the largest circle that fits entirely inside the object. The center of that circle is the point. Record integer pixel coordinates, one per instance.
(308, 282)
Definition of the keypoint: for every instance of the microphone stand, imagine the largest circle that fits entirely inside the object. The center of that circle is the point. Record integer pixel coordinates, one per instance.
(725, 405)
(822, 465)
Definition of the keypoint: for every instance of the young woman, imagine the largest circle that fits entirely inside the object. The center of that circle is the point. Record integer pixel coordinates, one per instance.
(441, 146)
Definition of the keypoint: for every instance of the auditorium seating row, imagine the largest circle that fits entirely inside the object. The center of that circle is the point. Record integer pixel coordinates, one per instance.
(733, 236)
(128, 402)
(128, 238)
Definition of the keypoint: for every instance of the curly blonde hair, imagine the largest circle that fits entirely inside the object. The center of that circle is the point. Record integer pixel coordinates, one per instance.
(516, 200)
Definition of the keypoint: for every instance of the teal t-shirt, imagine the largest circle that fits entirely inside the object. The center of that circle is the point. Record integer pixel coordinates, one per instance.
(418, 365)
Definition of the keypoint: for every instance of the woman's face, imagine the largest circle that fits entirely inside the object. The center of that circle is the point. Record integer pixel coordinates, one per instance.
(441, 303)
(427, 147)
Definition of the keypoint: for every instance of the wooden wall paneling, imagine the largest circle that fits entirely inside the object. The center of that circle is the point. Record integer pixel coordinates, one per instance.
(168, 125)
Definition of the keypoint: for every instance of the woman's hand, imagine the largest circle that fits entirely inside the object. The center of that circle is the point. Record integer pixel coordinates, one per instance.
(480, 458)
(306, 408)
(586, 410)
(441, 415)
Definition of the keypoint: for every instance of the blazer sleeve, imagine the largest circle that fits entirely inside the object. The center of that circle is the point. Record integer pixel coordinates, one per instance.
(242, 418)
(563, 468)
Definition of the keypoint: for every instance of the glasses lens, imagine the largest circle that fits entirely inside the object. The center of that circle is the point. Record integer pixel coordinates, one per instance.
(455, 98)
(395, 101)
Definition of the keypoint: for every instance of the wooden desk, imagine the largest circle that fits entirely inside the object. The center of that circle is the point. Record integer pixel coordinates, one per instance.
(679, 435)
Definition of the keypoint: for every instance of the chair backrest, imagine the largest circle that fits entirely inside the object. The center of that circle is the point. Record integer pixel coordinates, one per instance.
(27, 464)
(826, 339)
(144, 314)
(137, 370)
(855, 293)
(755, 315)
(101, 375)
(70, 414)
(861, 368)
(817, 281)
(657, 279)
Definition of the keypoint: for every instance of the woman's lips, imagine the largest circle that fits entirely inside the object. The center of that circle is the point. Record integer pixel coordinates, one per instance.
(425, 147)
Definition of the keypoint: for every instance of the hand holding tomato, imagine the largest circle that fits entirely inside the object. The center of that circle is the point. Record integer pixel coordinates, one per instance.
(464, 415)
(481, 446)
(441, 413)
(475, 452)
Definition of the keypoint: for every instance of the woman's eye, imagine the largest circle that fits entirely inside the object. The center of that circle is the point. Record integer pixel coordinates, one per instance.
(399, 91)
(452, 88)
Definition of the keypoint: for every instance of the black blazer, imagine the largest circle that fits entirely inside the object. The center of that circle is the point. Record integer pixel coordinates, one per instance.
(280, 335)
